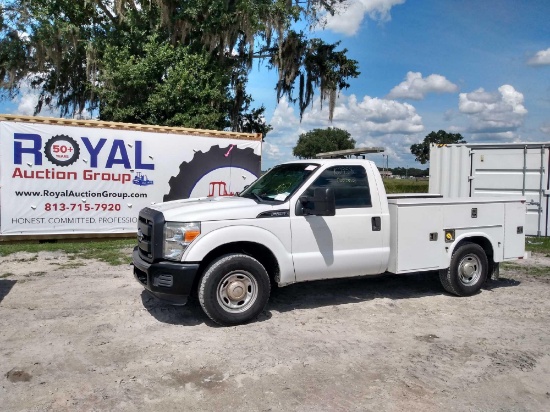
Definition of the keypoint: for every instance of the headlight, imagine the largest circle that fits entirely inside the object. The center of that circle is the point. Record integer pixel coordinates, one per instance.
(177, 236)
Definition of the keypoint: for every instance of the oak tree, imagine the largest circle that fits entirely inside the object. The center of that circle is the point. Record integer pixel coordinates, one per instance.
(321, 141)
(176, 62)
(421, 151)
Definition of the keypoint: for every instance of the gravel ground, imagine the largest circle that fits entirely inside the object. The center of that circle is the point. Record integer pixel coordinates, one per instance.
(80, 335)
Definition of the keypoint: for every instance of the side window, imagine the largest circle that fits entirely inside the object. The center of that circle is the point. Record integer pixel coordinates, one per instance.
(350, 185)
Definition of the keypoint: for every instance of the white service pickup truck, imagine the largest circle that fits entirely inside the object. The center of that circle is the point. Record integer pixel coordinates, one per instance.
(317, 219)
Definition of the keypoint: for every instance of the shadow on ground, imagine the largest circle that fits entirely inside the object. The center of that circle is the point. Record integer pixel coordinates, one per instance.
(310, 295)
(188, 315)
(5, 287)
(345, 291)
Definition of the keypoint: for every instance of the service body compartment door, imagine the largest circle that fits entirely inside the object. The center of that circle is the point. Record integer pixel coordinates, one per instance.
(419, 227)
(514, 230)
(417, 241)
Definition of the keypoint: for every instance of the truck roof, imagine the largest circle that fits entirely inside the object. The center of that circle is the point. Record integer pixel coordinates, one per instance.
(330, 161)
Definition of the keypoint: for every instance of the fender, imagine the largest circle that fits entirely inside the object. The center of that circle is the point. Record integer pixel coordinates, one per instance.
(497, 250)
(252, 234)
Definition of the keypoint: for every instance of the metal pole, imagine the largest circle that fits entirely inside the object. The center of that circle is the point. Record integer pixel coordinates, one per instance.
(540, 188)
(524, 169)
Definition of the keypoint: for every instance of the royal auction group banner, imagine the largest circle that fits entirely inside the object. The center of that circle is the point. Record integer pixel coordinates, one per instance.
(59, 179)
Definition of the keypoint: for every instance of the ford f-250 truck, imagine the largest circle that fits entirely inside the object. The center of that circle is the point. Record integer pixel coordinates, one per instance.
(317, 219)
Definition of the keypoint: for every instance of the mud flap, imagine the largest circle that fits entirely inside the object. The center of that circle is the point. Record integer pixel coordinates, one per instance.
(495, 273)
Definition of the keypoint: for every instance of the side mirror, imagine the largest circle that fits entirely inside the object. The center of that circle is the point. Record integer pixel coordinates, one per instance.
(322, 203)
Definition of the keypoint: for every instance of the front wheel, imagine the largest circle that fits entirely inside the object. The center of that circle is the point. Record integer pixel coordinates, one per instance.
(467, 271)
(234, 289)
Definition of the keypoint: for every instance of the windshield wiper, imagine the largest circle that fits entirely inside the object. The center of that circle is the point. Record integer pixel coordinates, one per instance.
(258, 197)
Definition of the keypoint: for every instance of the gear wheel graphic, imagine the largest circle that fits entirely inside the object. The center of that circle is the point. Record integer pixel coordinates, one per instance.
(62, 150)
(203, 163)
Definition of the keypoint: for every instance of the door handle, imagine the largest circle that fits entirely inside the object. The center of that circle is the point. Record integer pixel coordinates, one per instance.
(376, 223)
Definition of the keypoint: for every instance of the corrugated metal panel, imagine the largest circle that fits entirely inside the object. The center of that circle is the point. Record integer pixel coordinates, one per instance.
(514, 171)
(496, 170)
(450, 170)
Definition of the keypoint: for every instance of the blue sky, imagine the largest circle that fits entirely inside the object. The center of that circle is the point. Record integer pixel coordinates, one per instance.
(476, 67)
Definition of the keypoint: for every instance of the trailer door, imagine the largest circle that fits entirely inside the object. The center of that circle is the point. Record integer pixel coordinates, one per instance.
(515, 171)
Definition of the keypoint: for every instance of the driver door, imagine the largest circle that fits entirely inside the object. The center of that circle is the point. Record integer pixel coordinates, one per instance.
(347, 244)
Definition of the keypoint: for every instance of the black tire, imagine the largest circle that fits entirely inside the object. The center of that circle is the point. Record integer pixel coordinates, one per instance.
(202, 163)
(467, 271)
(234, 289)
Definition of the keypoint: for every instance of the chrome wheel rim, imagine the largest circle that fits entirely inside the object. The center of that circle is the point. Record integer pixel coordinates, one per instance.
(237, 291)
(469, 269)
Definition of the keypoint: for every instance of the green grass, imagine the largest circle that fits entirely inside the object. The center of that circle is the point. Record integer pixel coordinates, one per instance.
(538, 244)
(109, 251)
(405, 186)
(115, 252)
(35, 274)
(528, 270)
(72, 265)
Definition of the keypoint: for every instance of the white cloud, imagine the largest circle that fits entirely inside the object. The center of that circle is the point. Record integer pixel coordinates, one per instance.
(542, 58)
(545, 128)
(279, 142)
(351, 13)
(284, 116)
(493, 114)
(27, 100)
(27, 103)
(370, 116)
(416, 87)
(272, 151)
(372, 122)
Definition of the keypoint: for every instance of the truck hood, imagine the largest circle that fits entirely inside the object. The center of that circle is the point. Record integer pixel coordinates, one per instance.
(213, 208)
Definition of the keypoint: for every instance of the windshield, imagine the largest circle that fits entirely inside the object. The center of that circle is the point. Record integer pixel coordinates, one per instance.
(280, 182)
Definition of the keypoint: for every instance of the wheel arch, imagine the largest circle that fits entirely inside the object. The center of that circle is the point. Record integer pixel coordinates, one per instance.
(256, 250)
(254, 241)
(484, 242)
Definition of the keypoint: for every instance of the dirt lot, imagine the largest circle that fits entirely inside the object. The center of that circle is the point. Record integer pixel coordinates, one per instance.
(82, 335)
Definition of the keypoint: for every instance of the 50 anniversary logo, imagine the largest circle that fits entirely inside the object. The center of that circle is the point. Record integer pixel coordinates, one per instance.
(62, 150)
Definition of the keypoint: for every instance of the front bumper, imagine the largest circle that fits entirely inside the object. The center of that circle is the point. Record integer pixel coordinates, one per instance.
(171, 282)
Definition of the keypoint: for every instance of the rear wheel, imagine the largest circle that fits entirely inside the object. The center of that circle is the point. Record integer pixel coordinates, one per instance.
(234, 289)
(467, 271)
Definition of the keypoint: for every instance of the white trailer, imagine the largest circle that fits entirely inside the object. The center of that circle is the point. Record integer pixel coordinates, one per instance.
(68, 178)
(481, 170)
